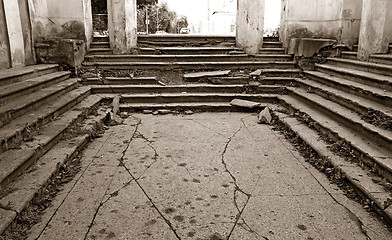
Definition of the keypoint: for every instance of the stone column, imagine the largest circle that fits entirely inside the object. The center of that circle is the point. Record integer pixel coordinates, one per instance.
(5, 58)
(15, 34)
(250, 25)
(376, 28)
(122, 23)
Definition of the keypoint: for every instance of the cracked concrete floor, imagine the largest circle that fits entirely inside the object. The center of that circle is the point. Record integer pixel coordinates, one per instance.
(203, 176)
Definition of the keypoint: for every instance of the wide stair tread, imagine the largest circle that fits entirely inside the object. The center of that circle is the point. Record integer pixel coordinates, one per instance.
(380, 155)
(363, 66)
(15, 160)
(355, 174)
(357, 100)
(19, 71)
(32, 84)
(40, 116)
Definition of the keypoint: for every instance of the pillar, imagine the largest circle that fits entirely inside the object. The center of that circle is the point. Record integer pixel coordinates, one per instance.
(15, 34)
(122, 24)
(376, 28)
(250, 25)
(5, 58)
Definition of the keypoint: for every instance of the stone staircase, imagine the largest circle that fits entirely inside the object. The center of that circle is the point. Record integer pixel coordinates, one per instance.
(46, 117)
(341, 109)
(344, 106)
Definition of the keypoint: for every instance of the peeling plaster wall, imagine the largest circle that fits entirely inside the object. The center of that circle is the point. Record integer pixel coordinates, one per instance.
(329, 19)
(26, 30)
(5, 58)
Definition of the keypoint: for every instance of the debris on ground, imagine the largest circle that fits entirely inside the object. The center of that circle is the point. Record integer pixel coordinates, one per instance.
(116, 104)
(265, 116)
(161, 83)
(378, 119)
(244, 103)
(164, 111)
(147, 111)
(123, 115)
(112, 119)
(254, 84)
(189, 112)
(256, 74)
(201, 75)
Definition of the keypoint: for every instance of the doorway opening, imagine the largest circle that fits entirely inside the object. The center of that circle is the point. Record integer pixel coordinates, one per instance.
(100, 16)
(272, 16)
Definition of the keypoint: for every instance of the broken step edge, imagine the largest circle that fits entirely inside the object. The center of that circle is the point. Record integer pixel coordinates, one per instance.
(310, 138)
(50, 168)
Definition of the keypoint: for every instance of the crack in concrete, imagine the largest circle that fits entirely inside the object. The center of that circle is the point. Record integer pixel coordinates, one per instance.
(121, 160)
(352, 215)
(237, 189)
(189, 173)
(212, 130)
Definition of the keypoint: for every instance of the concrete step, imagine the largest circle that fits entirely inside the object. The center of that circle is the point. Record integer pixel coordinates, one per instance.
(272, 51)
(25, 126)
(12, 91)
(100, 51)
(374, 94)
(189, 106)
(272, 45)
(181, 89)
(355, 48)
(194, 97)
(120, 81)
(351, 101)
(349, 55)
(17, 74)
(359, 178)
(99, 44)
(280, 72)
(382, 69)
(381, 58)
(370, 79)
(189, 65)
(188, 58)
(17, 107)
(335, 122)
(37, 176)
(187, 50)
(14, 161)
(182, 38)
(350, 119)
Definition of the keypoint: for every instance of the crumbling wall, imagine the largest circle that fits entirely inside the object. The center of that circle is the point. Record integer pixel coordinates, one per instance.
(58, 26)
(329, 19)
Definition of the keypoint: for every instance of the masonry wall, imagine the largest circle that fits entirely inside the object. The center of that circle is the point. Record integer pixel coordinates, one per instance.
(329, 19)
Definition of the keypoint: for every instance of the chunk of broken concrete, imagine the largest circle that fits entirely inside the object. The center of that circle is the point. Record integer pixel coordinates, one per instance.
(116, 104)
(188, 112)
(113, 119)
(244, 103)
(147, 111)
(265, 116)
(200, 75)
(164, 111)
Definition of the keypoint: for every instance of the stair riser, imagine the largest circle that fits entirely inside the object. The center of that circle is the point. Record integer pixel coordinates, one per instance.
(366, 133)
(187, 108)
(8, 116)
(33, 88)
(28, 76)
(156, 58)
(272, 45)
(281, 74)
(101, 52)
(266, 51)
(349, 89)
(349, 56)
(186, 52)
(185, 66)
(380, 60)
(377, 70)
(34, 126)
(148, 90)
(355, 78)
(99, 45)
(44, 148)
(184, 99)
(117, 82)
(229, 80)
(184, 38)
(101, 39)
(362, 156)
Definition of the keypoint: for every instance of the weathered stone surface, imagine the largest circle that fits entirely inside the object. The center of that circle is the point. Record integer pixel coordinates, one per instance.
(197, 75)
(116, 104)
(265, 116)
(6, 217)
(244, 103)
(307, 47)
